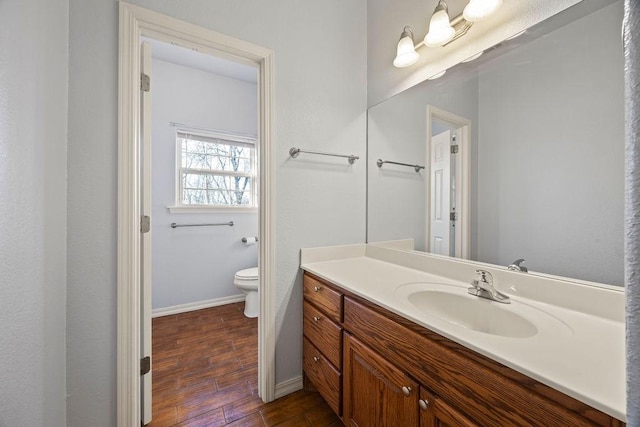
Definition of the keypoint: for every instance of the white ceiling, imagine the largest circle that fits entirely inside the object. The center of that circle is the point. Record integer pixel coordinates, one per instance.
(201, 61)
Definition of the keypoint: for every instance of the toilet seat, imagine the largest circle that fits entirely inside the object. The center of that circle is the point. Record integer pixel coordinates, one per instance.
(247, 274)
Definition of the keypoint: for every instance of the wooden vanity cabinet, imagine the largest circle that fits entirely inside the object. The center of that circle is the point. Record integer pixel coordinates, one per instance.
(435, 412)
(376, 393)
(394, 372)
(322, 342)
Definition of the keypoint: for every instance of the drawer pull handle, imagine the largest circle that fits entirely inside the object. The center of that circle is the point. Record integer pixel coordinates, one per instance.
(316, 359)
(316, 318)
(424, 404)
(317, 288)
(406, 391)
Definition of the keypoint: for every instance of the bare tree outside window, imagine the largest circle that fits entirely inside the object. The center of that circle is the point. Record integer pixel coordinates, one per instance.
(216, 172)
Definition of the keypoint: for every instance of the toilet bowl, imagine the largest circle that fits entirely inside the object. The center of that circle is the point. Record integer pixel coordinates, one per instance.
(247, 282)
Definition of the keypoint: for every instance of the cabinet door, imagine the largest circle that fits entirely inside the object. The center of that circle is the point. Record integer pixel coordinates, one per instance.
(376, 393)
(436, 413)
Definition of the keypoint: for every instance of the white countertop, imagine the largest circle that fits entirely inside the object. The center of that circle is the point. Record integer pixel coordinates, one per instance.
(579, 353)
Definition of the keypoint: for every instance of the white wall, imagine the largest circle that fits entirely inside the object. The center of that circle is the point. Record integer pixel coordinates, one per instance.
(572, 138)
(33, 134)
(386, 19)
(397, 132)
(319, 103)
(196, 264)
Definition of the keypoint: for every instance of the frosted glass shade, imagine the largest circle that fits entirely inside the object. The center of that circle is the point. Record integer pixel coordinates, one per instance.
(477, 10)
(440, 29)
(406, 54)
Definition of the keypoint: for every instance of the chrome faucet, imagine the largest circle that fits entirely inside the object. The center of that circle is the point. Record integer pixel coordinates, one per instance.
(517, 266)
(483, 287)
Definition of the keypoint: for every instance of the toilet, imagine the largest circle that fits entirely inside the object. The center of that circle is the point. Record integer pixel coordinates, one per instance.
(247, 282)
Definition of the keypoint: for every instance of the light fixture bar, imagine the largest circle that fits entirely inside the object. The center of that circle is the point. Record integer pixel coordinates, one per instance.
(461, 26)
(440, 27)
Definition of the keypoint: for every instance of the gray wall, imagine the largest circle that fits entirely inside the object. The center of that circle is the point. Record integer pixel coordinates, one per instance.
(33, 144)
(554, 177)
(319, 103)
(196, 264)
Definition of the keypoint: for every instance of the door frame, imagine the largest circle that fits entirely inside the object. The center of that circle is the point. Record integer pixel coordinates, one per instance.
(136, 22)
(463, 176)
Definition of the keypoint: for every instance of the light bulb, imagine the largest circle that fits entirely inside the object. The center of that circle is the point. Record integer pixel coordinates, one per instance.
(406, 54)
(477, 10)
(440, 29)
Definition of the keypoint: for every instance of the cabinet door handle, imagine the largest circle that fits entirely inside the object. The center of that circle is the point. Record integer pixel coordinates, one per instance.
(406, 391)
(316, 359)
(317, 288)
(316, 318)
(424, 404)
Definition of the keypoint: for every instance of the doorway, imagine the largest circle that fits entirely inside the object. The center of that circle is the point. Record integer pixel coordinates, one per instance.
(199, 182)
(137, 22)
(448, 201)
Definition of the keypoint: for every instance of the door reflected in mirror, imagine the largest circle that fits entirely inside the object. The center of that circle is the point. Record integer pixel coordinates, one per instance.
(544, 178)
(447, 150)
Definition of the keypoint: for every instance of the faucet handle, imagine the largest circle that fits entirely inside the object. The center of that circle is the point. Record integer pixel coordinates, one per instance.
(483, 287)
(517, 266)
(485, 276)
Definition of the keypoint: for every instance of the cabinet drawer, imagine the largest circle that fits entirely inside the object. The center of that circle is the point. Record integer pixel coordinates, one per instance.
(324, 334)
(326, 379)
(324, 297)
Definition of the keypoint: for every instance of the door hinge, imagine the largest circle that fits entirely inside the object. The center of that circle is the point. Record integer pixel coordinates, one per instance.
(454, 149)
(145, 224)
(145, 365)
(453, 216)
(145, 82)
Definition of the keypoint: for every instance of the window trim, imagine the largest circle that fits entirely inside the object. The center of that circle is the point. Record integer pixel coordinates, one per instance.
(245, 140)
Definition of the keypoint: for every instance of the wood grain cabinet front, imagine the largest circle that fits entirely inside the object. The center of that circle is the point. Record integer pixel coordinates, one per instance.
(435, 412)
(376, 393)
(322, 348)
(324, 296)
(324, 376)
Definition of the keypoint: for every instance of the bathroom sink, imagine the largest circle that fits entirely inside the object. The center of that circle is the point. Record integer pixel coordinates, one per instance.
(454, 305)
(473, 313)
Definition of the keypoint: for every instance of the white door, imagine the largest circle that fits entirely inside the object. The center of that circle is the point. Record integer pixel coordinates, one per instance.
(440, 193)
(145, 250)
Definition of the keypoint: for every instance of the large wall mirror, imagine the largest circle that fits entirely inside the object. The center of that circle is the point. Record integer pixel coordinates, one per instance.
(522, 149)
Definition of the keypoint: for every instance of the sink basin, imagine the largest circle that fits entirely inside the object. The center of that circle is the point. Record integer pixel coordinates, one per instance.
(471, 312)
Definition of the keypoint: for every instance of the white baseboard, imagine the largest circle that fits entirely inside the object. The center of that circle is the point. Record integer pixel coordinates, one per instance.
(288, 386)
(198, 305)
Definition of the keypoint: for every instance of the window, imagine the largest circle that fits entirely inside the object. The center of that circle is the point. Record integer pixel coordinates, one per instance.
(215, 171)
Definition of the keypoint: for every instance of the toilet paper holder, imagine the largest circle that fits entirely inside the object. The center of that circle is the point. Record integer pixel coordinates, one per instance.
(244, 239)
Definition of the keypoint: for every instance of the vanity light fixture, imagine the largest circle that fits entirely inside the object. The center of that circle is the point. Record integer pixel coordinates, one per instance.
(477, 10)
(442, 30)
(406, 54)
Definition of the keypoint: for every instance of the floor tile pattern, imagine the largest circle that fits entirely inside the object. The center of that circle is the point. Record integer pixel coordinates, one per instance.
(205, 373)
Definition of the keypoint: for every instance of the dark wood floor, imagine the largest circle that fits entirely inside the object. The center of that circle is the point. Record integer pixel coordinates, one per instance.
(205, 373)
